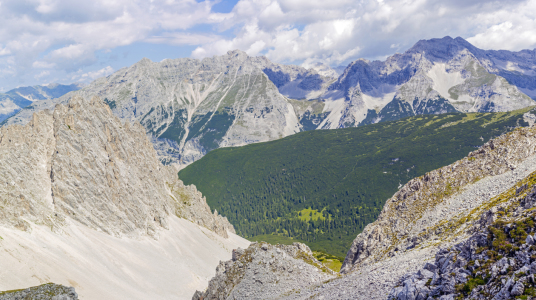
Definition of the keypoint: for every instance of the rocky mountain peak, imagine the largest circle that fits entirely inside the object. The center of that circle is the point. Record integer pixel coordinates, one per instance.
(237, 53)
(82, 163)
(442, 49)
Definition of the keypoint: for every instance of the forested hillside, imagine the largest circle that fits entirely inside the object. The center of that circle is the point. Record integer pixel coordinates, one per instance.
(323, 187)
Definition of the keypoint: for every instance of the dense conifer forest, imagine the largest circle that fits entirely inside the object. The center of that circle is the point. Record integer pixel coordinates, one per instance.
(323, 187)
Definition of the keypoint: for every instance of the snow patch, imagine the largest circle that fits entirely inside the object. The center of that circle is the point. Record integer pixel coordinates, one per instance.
(8, 106)
(444, 80)
(377, 103)
(336, 109)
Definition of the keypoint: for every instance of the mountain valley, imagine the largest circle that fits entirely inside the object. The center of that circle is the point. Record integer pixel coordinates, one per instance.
(234, 177)
(323, 187)
(463, 231)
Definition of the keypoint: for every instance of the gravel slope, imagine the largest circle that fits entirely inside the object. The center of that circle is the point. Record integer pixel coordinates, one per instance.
(100, 266)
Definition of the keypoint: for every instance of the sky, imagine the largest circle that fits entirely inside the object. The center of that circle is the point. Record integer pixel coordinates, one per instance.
(68, 41)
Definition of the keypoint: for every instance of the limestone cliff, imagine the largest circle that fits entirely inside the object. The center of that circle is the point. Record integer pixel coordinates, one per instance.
(82, 162)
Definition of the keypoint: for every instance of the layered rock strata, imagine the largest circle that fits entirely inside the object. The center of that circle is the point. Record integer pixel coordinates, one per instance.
(82, 162)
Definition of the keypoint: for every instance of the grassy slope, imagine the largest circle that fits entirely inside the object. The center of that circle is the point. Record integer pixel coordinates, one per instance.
(347, 174)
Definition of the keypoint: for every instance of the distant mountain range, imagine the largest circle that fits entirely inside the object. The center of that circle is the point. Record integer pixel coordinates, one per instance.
(14, 100)
(190, 107)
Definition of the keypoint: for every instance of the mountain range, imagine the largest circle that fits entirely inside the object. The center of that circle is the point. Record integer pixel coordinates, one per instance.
(190, 107)
(83, 193)
(16, 99)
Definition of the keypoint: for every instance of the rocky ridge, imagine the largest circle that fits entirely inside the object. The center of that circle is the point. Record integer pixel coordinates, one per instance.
(496, 262)
(49, 291)
(264, 271)
(81, 162)
(423, 208)
(449, 208)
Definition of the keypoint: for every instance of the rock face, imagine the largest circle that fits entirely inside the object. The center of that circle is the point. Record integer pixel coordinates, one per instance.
(496, 262)
(82, 162)
(16, 99)
(49, 291)
(264, 271)
(85, 202)
(190, 107)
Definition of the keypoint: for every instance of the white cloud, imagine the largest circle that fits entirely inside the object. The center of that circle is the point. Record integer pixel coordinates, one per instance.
(4, 51)
(180, 38)
(67, 33)
(509, 29)
(255, 48)
(42, 74)
(46, 6)
(314, 30)
(66, 36)
(42, 65)
(89, 76)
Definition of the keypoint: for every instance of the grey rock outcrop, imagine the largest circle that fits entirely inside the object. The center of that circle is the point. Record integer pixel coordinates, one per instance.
(494, 263)
(82, 162)
(264, 271)
(49, 291)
